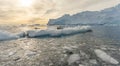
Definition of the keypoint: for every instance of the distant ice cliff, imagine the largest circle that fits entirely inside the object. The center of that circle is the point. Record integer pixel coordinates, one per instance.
(106, 16)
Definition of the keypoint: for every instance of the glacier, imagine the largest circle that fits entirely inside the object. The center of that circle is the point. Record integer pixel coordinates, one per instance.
(106, 16)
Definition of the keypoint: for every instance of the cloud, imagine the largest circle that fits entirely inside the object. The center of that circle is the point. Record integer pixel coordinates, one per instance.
(55, 8)
(74, 6)
(47, 9)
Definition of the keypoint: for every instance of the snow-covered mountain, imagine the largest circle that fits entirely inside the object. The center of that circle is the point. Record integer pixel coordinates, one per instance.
(106, 16)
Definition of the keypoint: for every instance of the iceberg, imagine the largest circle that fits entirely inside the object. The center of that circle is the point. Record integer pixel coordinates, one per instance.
(57, 33)
(105, 16)
(4, 35)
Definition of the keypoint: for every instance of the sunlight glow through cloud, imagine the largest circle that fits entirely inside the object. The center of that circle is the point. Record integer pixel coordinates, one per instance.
(26, 3)
(43, 10)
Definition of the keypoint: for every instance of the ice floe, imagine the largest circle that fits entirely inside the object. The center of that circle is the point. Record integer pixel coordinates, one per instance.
(61, 32)
(105, 57)
(73, 58)
(4, 35)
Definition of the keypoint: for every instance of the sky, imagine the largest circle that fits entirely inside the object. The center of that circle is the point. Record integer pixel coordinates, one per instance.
(30, 11)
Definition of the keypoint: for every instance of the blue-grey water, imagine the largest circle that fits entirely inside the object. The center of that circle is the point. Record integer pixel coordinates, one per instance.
(108, 32)
(99, 35)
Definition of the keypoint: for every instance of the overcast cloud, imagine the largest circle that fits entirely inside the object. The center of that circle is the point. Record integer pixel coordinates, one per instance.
(10, 10)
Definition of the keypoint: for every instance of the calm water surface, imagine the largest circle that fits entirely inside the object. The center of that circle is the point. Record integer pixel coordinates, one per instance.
(108, 32)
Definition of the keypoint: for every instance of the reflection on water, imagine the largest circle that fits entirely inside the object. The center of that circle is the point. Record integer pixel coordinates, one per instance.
(28, 44)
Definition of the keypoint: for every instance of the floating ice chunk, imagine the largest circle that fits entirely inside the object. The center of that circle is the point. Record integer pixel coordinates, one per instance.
(4, 35)
(105, 57)
(55, 32)
(73, 58)
(12, 53)
(30, 53)
(36, 33)
(93, 61)
(81, 65)
(21, 34)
